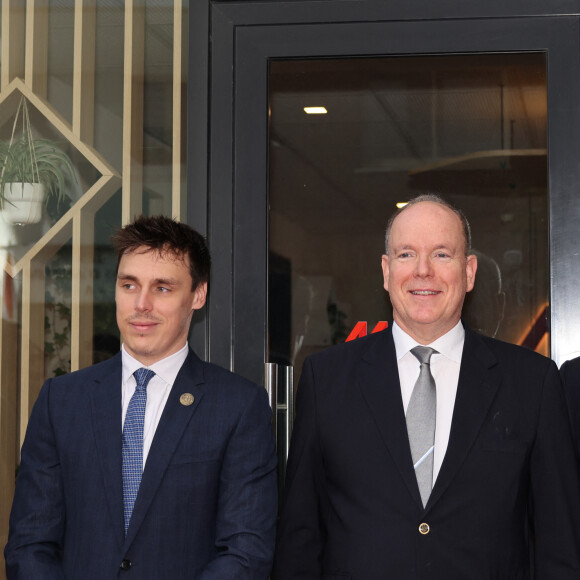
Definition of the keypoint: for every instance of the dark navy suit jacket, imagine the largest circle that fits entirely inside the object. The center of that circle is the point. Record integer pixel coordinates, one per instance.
(206, 508)
(570, 372)
(353, 509)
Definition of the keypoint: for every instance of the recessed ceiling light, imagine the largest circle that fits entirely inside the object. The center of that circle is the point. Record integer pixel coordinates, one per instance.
(315, 110)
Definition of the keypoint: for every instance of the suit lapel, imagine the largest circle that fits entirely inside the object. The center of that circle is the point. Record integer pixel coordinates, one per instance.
(479, 380)
(173, 422)
(381, 389)
(106, 414)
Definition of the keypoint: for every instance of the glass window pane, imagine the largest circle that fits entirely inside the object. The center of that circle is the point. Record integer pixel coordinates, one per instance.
(114, 143)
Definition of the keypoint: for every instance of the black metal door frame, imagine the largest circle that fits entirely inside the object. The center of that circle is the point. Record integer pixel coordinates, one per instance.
(228, 153)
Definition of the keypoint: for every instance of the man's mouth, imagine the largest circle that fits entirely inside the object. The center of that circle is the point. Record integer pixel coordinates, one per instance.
(424, 292)
(142, 326)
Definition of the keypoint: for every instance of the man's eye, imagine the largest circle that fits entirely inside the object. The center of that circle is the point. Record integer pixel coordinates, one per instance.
(127, 286)
(405, 255)
(163, 289)
(442, 255)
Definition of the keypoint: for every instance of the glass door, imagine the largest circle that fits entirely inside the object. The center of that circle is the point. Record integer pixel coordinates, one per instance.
(350, 140)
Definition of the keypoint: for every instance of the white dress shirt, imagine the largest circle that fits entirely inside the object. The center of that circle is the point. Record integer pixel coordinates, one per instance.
(157, 390)
(445, 370)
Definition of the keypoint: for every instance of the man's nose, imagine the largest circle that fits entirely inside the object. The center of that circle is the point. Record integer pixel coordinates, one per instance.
(423, 266)
(143, 301)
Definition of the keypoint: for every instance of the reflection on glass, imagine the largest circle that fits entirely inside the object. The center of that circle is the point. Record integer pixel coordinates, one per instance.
(484, 306)
(469, 127)
(106, 337)
(57, 313)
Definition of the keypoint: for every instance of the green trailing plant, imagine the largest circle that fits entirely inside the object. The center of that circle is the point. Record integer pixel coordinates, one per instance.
(26, 159)
(37, 161)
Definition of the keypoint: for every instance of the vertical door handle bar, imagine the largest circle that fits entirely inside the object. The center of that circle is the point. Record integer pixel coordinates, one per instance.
(289, 372)
(271, 384)
(272, 375)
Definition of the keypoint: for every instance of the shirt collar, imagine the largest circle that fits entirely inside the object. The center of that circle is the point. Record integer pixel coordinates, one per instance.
(166, 368)
(449, 345)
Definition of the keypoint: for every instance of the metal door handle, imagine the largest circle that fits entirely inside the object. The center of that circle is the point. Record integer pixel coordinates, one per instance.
(276, 376)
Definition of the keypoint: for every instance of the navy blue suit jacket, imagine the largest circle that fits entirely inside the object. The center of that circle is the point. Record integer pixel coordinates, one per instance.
(353, 509)
(206, 508)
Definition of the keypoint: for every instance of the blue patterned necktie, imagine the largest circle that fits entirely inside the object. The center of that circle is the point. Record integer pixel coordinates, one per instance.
(133, 442)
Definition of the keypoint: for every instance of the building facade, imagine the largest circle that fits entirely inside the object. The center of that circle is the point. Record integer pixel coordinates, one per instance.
(197, 110)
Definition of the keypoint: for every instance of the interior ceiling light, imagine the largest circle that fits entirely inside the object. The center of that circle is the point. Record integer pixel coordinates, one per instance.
(315, 110)
(401, 204)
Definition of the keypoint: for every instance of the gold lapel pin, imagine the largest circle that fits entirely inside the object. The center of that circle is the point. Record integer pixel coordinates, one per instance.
(186, 399)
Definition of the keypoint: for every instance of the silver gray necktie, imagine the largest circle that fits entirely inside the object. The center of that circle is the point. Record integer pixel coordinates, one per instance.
(421, 414)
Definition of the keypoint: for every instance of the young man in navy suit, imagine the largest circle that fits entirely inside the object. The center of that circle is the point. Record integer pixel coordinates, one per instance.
(152, 464)
(427, 451)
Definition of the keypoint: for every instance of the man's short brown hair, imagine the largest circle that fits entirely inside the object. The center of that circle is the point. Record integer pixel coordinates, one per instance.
(166, 236)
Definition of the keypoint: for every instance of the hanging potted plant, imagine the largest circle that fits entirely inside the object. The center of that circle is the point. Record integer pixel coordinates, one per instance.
(32, 172)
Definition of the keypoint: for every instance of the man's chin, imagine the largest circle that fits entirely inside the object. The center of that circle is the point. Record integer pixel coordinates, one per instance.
(139, 351)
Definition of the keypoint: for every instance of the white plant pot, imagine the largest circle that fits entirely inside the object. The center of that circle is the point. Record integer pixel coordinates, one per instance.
(22, 203)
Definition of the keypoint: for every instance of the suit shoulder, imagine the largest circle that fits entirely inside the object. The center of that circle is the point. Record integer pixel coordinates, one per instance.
(571, 370)
(223, 377)
(233, 393)
(516, 355)
(88, 373)
(351, 349)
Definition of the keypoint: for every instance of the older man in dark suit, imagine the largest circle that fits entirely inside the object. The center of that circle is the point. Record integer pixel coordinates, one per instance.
(152, 464)
(428, 451)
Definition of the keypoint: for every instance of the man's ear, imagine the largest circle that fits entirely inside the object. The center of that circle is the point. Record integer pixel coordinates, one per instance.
(470, 269)
(199, 296)
(385, 266)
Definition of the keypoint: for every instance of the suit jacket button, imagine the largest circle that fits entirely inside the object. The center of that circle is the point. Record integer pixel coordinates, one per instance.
(125, 564)
(424, 529)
